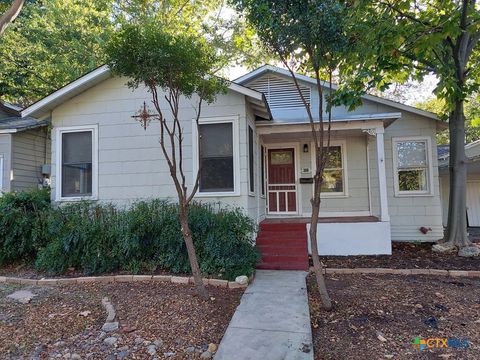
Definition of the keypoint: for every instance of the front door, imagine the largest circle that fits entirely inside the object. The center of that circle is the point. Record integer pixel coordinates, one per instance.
(281, 182)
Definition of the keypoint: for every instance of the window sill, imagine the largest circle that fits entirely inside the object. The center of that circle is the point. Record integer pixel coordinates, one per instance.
(216, 194)
(77, 198)
(333, 196)
(402, 195)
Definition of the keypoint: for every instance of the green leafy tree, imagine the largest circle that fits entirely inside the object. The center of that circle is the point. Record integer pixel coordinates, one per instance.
(308, 36)
(173, 67)
(472, 117)
(52, 43)
(399, 39)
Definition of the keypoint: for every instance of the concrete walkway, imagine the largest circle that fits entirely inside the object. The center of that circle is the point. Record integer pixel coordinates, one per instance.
(272, 321)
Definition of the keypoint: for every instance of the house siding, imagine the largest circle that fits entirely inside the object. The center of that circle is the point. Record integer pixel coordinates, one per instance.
(30, 150)
(409, 213)
(131, 164)
(5, 151)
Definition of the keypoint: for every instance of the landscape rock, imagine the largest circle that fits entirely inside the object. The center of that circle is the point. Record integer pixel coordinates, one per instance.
(158, 343)
(110, 341)
(169, 354)
(139, 341)
(242, 280)
(59, 344)
(443, 248)
(22, 296)
(152, 349)
(206, 355)
(75, 357)
(110, 326)
(110, 310)
(212, 348)
(469, 251)
(190, 349)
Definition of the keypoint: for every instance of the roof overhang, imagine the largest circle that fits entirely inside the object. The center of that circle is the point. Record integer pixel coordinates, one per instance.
(357, 122)
(18, 124)
(50, 102)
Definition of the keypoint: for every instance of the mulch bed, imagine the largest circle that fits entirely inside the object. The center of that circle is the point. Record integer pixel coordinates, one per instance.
(405, 256)
(183, 323)
(379, 316)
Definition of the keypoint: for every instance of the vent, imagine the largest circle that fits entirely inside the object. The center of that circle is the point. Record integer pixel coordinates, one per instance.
(280, 93)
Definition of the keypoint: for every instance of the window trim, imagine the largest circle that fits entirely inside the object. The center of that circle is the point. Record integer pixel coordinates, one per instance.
(429, 176)
(263, 172)
(343, 148)
(251, 166)
(58, 161)
(2, 172)
(234, 120)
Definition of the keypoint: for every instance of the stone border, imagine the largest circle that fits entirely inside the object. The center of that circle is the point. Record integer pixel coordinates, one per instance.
(122, 278)
(384, 271)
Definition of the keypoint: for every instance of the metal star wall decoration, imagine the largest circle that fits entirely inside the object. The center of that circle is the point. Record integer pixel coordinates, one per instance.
(143, 116)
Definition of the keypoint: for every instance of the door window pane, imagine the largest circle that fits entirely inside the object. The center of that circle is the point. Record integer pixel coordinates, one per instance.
(77, 164)
(216, 157)
(281, 157)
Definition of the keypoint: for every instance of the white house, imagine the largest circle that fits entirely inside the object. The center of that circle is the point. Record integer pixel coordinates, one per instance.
(381, 185)
(472, 152)
(24, 150)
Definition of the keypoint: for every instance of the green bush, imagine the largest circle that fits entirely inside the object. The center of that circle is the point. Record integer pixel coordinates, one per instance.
(21, 224)
(100, 238)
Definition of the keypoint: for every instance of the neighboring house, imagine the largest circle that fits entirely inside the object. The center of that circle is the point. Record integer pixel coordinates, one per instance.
(381, 184)
(24, 149)
(472, 152)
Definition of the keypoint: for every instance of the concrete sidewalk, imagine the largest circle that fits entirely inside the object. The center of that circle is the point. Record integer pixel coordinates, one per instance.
(272, 321)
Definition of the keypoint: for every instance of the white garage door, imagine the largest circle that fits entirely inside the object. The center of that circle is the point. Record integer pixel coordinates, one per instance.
(473, 203)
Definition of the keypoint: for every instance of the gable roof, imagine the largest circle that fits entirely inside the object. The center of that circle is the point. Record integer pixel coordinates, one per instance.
(43, 106)
(10, 108)
(274, 69)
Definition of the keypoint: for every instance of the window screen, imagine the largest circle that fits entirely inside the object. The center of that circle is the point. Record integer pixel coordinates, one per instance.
(77, 164)
(216, 157)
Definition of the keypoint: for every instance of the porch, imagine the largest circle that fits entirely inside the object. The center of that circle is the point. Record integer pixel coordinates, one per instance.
(354, 217)
(285, 242)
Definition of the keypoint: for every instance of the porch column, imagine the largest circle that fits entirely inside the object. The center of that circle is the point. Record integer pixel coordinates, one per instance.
(382, 178)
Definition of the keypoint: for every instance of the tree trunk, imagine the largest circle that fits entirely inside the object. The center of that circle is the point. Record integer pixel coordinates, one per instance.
(11, 14)
(317, 266)
(456, 234)
(192, 257)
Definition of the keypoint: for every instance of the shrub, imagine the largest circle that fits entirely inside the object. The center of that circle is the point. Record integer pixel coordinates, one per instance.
(101, 238)
(84, 236)
(21, 224)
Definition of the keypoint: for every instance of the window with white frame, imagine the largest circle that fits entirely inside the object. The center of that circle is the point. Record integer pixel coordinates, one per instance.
(76, 162)
(216, 158)
(412, 165)
(334, 172)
